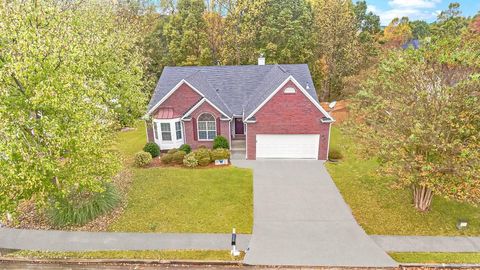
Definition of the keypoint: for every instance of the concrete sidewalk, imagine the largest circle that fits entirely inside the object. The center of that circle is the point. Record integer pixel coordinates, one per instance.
(427, 243)
(102, 241)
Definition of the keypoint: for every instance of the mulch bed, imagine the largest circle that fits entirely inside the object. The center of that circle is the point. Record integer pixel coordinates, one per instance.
(157, 162)
(30, 217)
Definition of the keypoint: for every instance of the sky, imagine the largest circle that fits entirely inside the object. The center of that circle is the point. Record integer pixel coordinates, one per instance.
(426, 10)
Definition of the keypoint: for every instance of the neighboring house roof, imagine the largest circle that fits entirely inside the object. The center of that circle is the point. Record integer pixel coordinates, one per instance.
(235, 90)
(415, 43)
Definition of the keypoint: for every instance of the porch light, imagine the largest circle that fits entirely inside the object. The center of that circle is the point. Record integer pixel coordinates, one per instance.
(462, 224)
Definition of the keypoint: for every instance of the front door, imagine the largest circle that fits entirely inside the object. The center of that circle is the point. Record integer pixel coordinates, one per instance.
(239, 129)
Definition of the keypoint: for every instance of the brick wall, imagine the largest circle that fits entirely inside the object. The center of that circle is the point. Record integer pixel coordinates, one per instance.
(181, 101)
(288, 114)
(188, 125)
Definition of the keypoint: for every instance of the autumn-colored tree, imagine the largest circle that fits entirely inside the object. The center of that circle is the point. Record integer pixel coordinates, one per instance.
(475, 25)
(70, 73)
(336, 51)
(215, 32)
(397, 33)
(420, 114)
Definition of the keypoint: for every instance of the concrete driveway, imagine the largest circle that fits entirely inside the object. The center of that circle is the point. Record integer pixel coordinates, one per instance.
(301, 219)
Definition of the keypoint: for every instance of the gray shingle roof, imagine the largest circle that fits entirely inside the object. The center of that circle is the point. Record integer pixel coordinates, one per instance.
(236, 90)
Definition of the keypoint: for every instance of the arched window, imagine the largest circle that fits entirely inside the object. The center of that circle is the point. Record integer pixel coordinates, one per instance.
(207, 127)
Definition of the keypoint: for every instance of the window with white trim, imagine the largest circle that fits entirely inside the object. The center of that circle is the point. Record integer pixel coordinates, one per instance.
(165, 131)
(207, 127)
(155, 130)
(178, 130)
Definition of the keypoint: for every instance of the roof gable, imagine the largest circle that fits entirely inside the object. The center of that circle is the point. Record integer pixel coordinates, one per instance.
(235, 90)
(280, 86)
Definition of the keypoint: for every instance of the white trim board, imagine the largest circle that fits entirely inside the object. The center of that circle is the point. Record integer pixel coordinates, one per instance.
(183, 81)
(291, 78)
(199, 103)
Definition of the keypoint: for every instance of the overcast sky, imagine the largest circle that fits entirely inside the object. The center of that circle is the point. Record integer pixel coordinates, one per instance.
(418, 9)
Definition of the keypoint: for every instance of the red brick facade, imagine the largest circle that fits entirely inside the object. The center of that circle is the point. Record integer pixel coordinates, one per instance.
(192, 139)
(288, 114)
(182, 100)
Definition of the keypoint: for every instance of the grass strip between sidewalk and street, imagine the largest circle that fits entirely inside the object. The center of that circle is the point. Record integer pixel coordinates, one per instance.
(436, 257)
(200, 255)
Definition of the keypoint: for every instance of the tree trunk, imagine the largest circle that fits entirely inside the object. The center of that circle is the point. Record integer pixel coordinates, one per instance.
(422, 197)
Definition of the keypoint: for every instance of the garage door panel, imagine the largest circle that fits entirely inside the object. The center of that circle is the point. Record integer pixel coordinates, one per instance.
(287, 146)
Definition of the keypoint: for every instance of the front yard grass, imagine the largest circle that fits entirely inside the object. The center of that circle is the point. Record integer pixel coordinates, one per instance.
(201, 255)
(201, 200)
(381, 209)
(188, 200)
(436, 257)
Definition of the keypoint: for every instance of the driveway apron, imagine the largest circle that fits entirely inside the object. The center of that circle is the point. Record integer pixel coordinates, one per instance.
(301, 219)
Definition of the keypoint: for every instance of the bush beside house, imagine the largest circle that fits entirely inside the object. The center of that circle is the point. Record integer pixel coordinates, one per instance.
(184, 155)
(220, 142)
(142, 159)
(152, 148)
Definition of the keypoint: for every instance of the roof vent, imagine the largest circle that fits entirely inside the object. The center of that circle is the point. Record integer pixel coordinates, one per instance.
(261, 60)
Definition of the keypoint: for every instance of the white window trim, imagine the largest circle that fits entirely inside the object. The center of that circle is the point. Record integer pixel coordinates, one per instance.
(175, 142)
(203, 100)
(181, 130)
(198, 129)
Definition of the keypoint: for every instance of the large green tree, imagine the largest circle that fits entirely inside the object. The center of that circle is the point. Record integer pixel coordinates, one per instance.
(420, 112)
(186, 36)
(70, 74)
(279, 29)
(450, 22)
(336, 41)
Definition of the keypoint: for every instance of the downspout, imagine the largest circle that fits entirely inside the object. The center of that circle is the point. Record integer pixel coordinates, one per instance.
(329, 134)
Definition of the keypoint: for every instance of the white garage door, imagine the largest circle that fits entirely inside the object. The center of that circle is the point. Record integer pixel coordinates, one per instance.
(287, 146)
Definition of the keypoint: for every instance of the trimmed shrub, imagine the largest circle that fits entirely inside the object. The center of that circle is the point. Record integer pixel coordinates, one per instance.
(172, 151)
(178, 156)
(190, 160)
(186, 148)
(220, 142)
(167, 158)
(203, 156)
(220, 153)
(82, 207)
(334, 153)
(152, 148)
(142, 159)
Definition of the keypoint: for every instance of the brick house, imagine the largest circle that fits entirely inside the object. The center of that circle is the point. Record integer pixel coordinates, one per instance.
(265, 111)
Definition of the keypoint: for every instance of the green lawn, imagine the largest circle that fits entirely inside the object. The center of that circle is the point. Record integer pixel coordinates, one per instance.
(212, 200)
(452, 258)
(132, 141)
(381, 209)
(209, 255)
(188, 200)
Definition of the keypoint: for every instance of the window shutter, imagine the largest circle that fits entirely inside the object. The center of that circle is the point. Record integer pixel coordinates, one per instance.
(194, 123)
(218, 127)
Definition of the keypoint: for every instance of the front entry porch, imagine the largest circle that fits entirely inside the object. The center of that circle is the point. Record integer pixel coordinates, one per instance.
(238, 140)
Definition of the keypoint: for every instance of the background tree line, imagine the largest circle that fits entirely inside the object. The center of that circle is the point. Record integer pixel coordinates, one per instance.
(336, 38)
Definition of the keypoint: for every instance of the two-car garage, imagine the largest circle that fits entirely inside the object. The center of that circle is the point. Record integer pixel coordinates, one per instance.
(287, 146)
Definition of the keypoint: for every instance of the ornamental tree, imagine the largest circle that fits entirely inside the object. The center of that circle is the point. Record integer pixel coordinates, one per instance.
(70, 74)
(420, 113)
